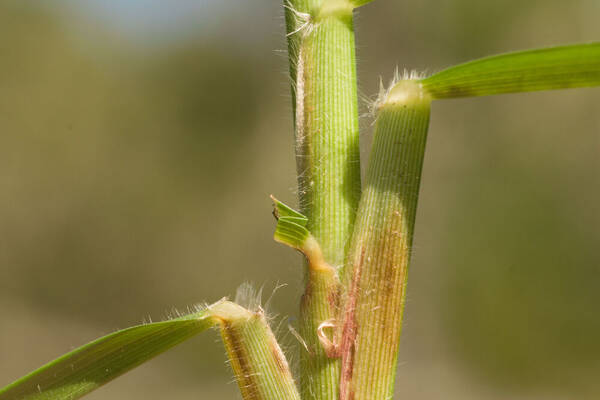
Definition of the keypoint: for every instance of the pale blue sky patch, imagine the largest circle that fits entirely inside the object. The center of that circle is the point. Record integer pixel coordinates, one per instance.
(158, 21)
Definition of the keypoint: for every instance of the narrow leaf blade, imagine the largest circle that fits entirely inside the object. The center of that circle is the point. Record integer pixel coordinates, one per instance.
(541, 69)
(84, 369)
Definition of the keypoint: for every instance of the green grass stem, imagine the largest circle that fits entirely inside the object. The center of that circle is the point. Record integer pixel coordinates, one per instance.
(322, 65)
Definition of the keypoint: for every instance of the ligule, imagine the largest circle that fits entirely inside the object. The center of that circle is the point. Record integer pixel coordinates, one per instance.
(375, 282)
(259, 365)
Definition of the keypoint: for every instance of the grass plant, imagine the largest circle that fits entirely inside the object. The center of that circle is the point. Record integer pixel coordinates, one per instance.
(356, 237)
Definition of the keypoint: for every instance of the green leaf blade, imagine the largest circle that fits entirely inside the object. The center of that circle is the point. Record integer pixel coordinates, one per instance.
(90, 366)
(526, 71)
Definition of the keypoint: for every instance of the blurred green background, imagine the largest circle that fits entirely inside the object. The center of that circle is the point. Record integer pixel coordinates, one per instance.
(139, 141)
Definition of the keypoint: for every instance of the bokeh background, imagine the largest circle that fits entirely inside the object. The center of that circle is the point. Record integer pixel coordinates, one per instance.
(140, 139)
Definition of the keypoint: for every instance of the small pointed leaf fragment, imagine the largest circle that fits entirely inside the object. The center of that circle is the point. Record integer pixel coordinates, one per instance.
(291, 226)
(282, 210)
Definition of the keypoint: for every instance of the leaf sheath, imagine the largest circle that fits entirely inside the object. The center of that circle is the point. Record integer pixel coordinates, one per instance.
(375, 285)
(258, 363)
